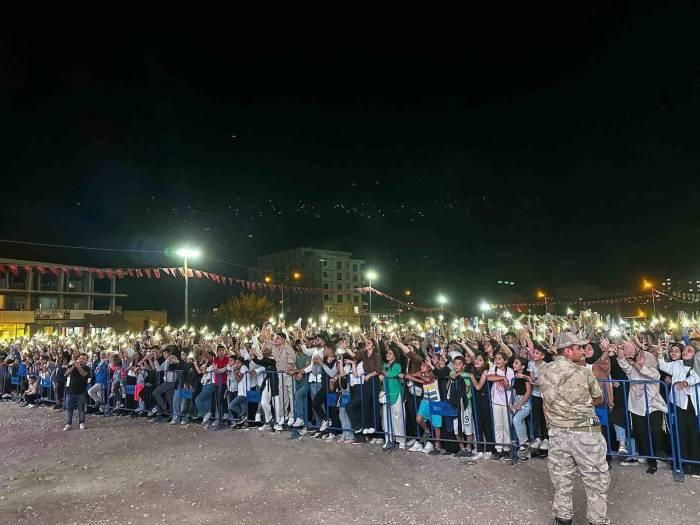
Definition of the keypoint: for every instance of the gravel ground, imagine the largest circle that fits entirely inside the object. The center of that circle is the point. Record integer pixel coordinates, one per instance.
(123, 470)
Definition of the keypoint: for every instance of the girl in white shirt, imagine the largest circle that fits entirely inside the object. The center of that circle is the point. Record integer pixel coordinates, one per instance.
(501, 377)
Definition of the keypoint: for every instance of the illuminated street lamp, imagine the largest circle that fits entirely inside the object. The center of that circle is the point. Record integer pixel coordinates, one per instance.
(187, 253)
(268, 279)
(648, 285)
(371, 274)
(484, 306)
(542, 295)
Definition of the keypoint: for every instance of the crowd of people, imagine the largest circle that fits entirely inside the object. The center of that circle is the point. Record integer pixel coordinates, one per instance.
(441, 390)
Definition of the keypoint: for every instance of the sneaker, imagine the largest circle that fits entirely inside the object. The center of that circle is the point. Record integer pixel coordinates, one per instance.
(487, 455)
(642, 460)
(478, 456)
(66, 428)
(290, 421)
(417, 447)
(402, 446)
(622, 450)
(496, 456)
(377, 441)
(153, 412)
(30, 405)
(371, 430)
(544, 445)
(463, 453)
(82, 426)
(628, 461)
(389, 445)
(172, 422)
(298, 423)
(364, 431)
(696, 476)
(183, 423)
(535, 445)
(324, 426)
(329, 438)
(278, 427)
(438, 452)
(258, 417)
(264, 427)
(428, 448)
(304, 431)
(206, 419)
(411, 443)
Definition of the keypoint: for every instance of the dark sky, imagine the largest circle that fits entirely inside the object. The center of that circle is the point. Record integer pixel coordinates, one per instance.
(550, 149)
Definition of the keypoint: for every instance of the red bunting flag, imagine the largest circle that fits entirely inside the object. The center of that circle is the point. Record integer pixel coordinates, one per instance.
(13, 269)
(207, 275)
(198, 274)
(156, 273)
(172, 272)
(120, 273)
(99, 274)
(110, 274)
(139, 273)
(147, 271)
(53, 269)
(41, 269)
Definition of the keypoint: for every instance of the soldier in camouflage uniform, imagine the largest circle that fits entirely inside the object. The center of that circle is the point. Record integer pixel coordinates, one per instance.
(569, 392)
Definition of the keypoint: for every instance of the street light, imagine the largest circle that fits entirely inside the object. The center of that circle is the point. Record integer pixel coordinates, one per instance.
(484, 306)
(268, 279)
(371, 274)
(188, 253)
(648, 285)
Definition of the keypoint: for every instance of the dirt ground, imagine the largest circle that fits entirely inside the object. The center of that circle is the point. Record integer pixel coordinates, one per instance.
(128, 471)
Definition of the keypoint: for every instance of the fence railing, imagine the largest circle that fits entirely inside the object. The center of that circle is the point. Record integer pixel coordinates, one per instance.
(392, 409)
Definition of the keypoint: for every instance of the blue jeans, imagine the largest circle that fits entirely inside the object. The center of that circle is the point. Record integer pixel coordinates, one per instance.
(239, 406)
(203, 401)
(73, 400)
(621, 436)
(177, 403)
(301, 391)
(519, 421)
(346, 425)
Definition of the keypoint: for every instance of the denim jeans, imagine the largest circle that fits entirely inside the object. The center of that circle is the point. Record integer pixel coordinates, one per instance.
(239, 407)
(177, 412)
(203, 401)
(73, 400)
(346, 425)
(301, 390)
(621, 436)
(520, 421)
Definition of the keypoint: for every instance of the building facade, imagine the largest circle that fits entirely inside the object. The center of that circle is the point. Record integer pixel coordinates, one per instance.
(334, 273)
(41, 296)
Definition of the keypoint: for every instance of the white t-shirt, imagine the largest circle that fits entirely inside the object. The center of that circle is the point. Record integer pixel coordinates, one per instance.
(242, 383)
(534, 373)
(498, 392)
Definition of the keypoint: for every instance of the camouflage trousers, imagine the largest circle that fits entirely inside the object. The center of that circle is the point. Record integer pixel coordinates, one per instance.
(570, 450)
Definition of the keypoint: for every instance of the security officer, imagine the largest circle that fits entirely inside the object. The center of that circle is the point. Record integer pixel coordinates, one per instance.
(569, 392)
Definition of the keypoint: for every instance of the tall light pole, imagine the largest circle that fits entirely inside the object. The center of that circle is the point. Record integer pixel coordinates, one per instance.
(188, 253)
(542, 295)
(371, 274)
(647, 285)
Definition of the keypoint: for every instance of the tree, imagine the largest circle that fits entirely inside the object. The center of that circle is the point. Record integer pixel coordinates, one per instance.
(245, 309)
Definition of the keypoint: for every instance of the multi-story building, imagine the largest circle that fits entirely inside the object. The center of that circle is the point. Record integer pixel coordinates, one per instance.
(669, 285)
(334, 273)
(41, 296)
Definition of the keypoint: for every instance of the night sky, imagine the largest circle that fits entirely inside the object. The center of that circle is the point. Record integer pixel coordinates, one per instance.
(548, 150)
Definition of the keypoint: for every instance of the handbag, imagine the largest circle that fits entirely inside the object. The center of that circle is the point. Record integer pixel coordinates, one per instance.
(382, 397)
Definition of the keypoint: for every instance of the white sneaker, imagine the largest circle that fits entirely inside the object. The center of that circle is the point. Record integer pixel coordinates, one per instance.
(206, 419)
(417, 447)
(402, 446)
(377, 441)
(279, 428)
(411, 443)
(153, 411)
(303, 431)
(82, 426)
(536, 444)
(290, 421)
(371, 430)
(622, 451)
(364, 431)
(66, 428)
(30, 405)
(478, 456)
(172, 422)
(183, 423)
(324, 426)
(258, 417)
(266, 426)
(544, 445)
(330, 438)
(298, 423)
(428, 448)
(487, 455)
